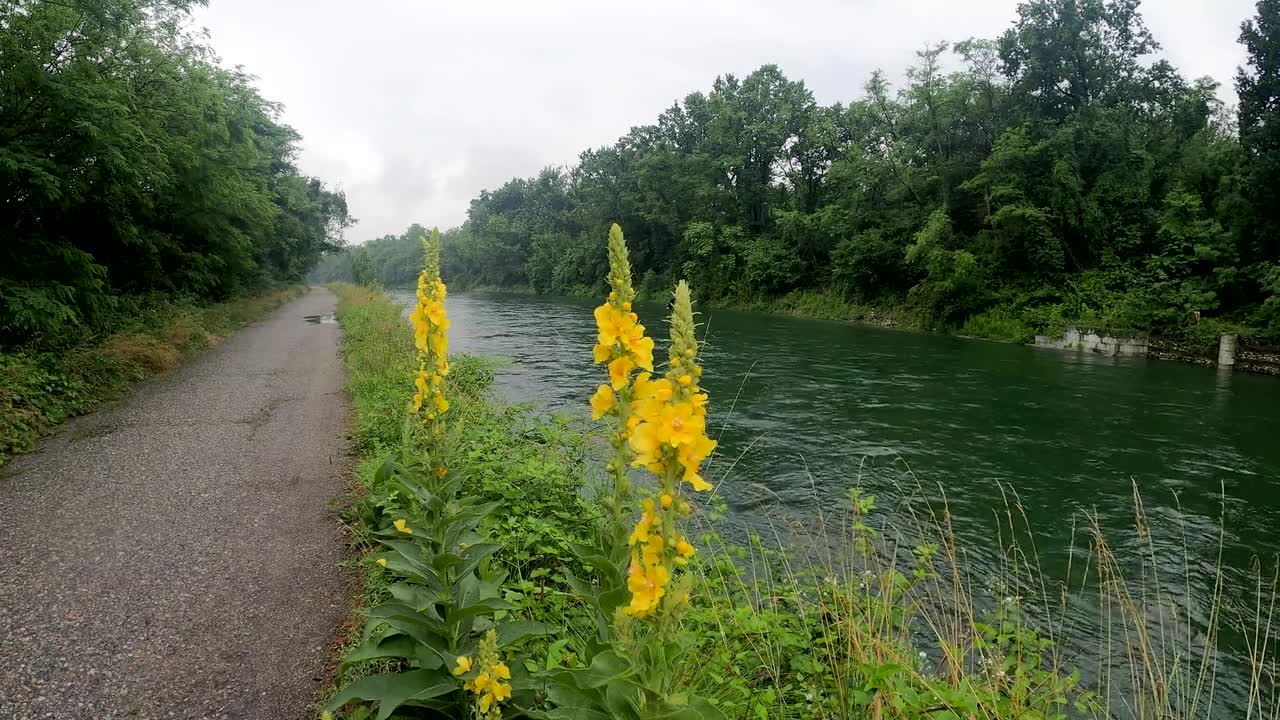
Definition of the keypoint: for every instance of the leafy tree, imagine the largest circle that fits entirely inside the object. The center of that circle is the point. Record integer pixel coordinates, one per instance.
(1056, 172)
(131, 162)
(1258, 86)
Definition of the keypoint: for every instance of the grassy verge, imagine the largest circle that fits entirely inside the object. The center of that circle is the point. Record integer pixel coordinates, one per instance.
(861, 615)
(44, 385)
(531, 464)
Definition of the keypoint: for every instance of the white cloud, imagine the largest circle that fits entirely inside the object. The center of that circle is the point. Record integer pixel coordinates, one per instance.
(413, 107)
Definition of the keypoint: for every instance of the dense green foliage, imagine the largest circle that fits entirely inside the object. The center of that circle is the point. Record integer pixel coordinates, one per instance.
(391, 260)
(132, 162)
(1058, 174)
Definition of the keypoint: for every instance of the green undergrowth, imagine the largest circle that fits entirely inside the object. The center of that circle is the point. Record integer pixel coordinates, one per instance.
(51, 380)
(858, 619)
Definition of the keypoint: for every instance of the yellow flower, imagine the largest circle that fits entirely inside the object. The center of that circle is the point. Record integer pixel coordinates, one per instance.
(403, 526)
(646, 443)
(684, 548)
(464, 665)
(611, 324)
(440, 344)
(602, 402)
(442, 472)
(602, 352)
(498, 692)
(620, 372)
(647, 586)
(381, 561)
(648, 519)
(666, 500)
(435, 313)
(696, 480)
(639, 346)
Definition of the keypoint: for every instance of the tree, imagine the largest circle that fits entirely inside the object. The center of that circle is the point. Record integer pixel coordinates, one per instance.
(1258, 87)
(131, 162)
(1060, 171)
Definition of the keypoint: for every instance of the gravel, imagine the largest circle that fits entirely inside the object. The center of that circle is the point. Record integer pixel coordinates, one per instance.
(175, 555)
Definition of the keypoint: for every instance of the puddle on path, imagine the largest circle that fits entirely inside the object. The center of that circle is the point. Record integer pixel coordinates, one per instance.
(326, 319)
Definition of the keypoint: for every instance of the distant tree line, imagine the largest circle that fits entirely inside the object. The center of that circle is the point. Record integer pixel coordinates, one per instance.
(390, 261)
(1059, 173)
(132, 162)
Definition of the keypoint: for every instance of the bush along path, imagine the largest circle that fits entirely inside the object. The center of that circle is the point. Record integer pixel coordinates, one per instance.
(174, 555)
(514, 566)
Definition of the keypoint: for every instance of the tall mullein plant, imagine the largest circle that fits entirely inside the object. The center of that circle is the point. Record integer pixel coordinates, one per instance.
(670, 439)
(622, 344)
(430, 337)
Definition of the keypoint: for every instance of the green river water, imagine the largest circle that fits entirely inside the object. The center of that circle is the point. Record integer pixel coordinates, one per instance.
(804, 410)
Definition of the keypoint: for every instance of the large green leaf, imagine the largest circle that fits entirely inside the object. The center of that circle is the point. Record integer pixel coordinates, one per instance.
(572, 701)
(510, 633)
(697, 709)
(480, 607)
(394, 646)
(474, 555)
(404, 618)
(604, 667)
(392, 690)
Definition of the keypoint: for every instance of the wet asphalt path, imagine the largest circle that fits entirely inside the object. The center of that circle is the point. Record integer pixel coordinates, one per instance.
(174, 555)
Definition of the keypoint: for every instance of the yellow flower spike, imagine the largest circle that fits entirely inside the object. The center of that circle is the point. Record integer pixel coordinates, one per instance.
(402, 526)
(430, 328)
(670, 440)
(487, 685)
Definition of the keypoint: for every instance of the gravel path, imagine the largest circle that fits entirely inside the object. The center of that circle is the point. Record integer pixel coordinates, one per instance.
(174, 555)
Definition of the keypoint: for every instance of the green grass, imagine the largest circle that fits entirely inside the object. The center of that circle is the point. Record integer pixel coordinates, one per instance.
(47, 383)
(998, 324)
(859, 615)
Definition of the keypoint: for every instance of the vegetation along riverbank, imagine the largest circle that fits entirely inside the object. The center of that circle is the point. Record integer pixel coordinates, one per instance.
(515, 567)
(1063, 172)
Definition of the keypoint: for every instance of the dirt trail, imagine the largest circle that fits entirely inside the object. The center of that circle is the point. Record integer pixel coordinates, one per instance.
(174, 555)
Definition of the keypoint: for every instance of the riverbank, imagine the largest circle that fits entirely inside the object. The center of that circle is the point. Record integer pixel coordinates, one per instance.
(869, 612)
(44, 385)
(1195, 344)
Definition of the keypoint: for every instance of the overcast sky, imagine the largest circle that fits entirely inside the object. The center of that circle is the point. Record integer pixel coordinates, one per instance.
(414, 106)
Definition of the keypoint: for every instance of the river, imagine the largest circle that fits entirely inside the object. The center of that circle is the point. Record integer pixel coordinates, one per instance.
(804, 410)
